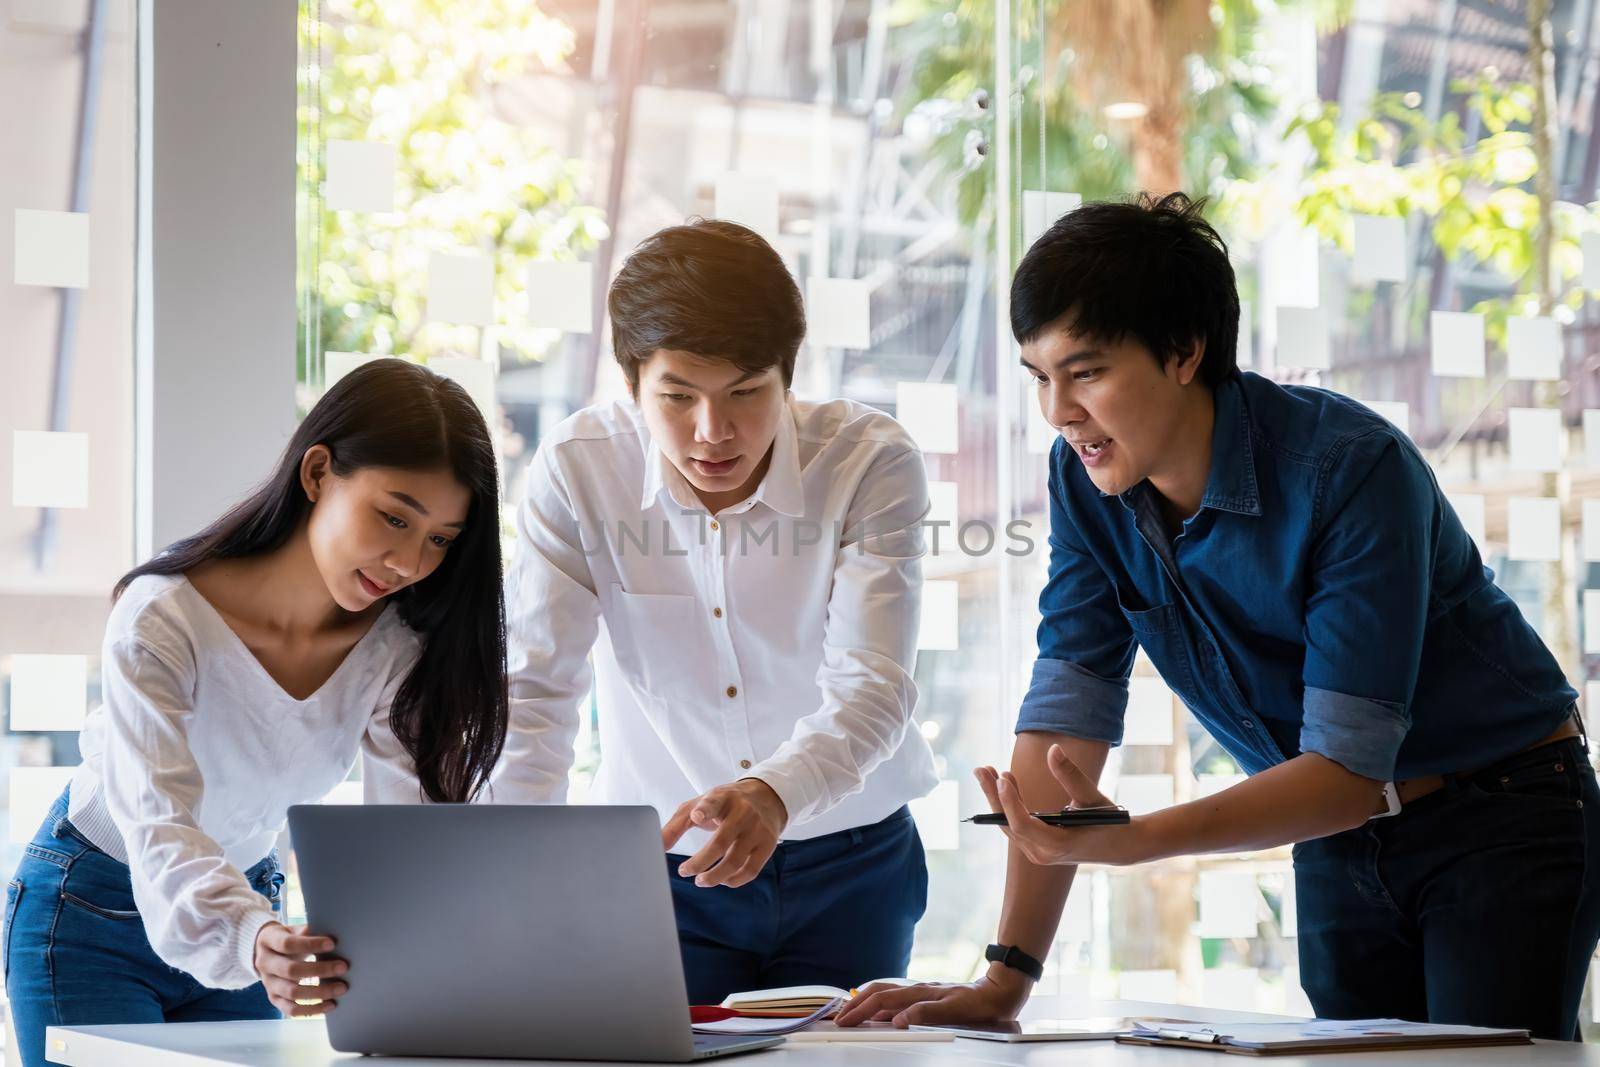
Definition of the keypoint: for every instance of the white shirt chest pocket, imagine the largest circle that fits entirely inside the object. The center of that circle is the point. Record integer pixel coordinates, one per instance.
(661, 644)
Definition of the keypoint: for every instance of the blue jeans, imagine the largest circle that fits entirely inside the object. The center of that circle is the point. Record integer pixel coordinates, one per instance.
(1477, 904)
(837, 910)
(76, 953)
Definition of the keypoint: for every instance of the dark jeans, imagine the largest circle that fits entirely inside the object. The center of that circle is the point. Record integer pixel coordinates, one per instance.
(1477, 904)
(76, 953)
(837, 910)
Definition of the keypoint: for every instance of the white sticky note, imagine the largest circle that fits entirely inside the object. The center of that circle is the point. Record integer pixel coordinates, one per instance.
(1230, 988)
(561, 296)
(940, 629)
(1144, 793)
(360, 176)
(476, 377)
(1041, 209)
(1041, 435)
(1230, 904)
(929, 412)
(33, 790)
(1533, 348)
(943, 502)
(1590, 243)
(1294, 257)
(1591, 530)
(1458, 345)
(52, 248)
(1397, 412)
(1536, 438)
(1591, 437)
(1159, 987)
(48, 692)
(839, 313)
(1380, 249)
(1206, 785)
(1303, 338)
(1469, 509)
(461, 288)
(344, 793)
(751, 200)
(938, 817)
(1149, 717)
(1077, 918)
(1591, 621)
(1246, 352)
(1534, 528)
(335, 365)
(49, 470)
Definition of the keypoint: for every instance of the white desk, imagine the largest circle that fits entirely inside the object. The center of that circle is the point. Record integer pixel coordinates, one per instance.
(305, 1044)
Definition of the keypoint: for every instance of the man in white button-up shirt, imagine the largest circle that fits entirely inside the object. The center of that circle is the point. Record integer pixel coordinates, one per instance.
(745, 568)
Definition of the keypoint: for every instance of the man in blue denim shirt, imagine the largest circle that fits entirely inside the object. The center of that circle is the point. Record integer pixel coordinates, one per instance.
(1287, 561)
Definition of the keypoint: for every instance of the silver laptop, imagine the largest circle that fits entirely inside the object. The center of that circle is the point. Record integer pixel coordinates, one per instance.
(501, 931)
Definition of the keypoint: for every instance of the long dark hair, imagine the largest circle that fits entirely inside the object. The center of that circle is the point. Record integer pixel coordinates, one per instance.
(450, 712)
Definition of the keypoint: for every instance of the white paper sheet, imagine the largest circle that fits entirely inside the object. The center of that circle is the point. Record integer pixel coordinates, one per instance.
(1590, 244)
(1289, 925)
(1536, 436)
(1230, 904)
(1397, 412)
(1149, 716)
(360, 176)
(48, 692)
(940, 630)
(1591, 437)
(1458, 344)
(1247, 334)
(1535, 528)
(1533, 348)
(49, 470)
(1144, 793)
(461, 288)
(938, 817)
(476, 377)
(1380, 249)
(1294, 265)
(1159, 987)
(929, 412)
(839, 313)
(751, 200)
(1591, 530)
(1041, 209)
(1303, 338)
(33, 790)
(1469, 508)
(1230, 988)
(561, 296)
(51, 248)
(335, 365)
(1591, 621)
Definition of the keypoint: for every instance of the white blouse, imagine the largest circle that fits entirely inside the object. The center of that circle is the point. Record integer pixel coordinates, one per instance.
(192, 759)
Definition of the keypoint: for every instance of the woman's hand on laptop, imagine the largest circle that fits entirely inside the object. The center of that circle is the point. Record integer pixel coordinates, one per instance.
(747, 818)
(992, 998)
(283, 960)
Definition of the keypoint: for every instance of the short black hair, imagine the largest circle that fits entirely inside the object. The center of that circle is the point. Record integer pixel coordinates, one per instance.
(1151, 269)
(709, 287)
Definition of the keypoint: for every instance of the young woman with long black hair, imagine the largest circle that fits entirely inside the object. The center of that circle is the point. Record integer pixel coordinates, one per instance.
(352, 603)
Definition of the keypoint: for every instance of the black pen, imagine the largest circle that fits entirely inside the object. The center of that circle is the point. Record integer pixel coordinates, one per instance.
(1072, 817)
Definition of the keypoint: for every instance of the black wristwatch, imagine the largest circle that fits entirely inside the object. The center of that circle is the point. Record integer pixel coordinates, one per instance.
(1018, 960)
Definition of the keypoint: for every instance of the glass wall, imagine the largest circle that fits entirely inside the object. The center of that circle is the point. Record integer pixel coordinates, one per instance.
(473, 172)
(68, 137)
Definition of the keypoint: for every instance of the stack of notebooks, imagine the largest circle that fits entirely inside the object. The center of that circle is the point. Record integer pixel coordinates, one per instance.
(800, 1013)
(1317, 1035)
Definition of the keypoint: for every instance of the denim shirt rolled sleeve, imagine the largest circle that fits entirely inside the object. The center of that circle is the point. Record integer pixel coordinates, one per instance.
(1367, 608)
(1080, 680)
